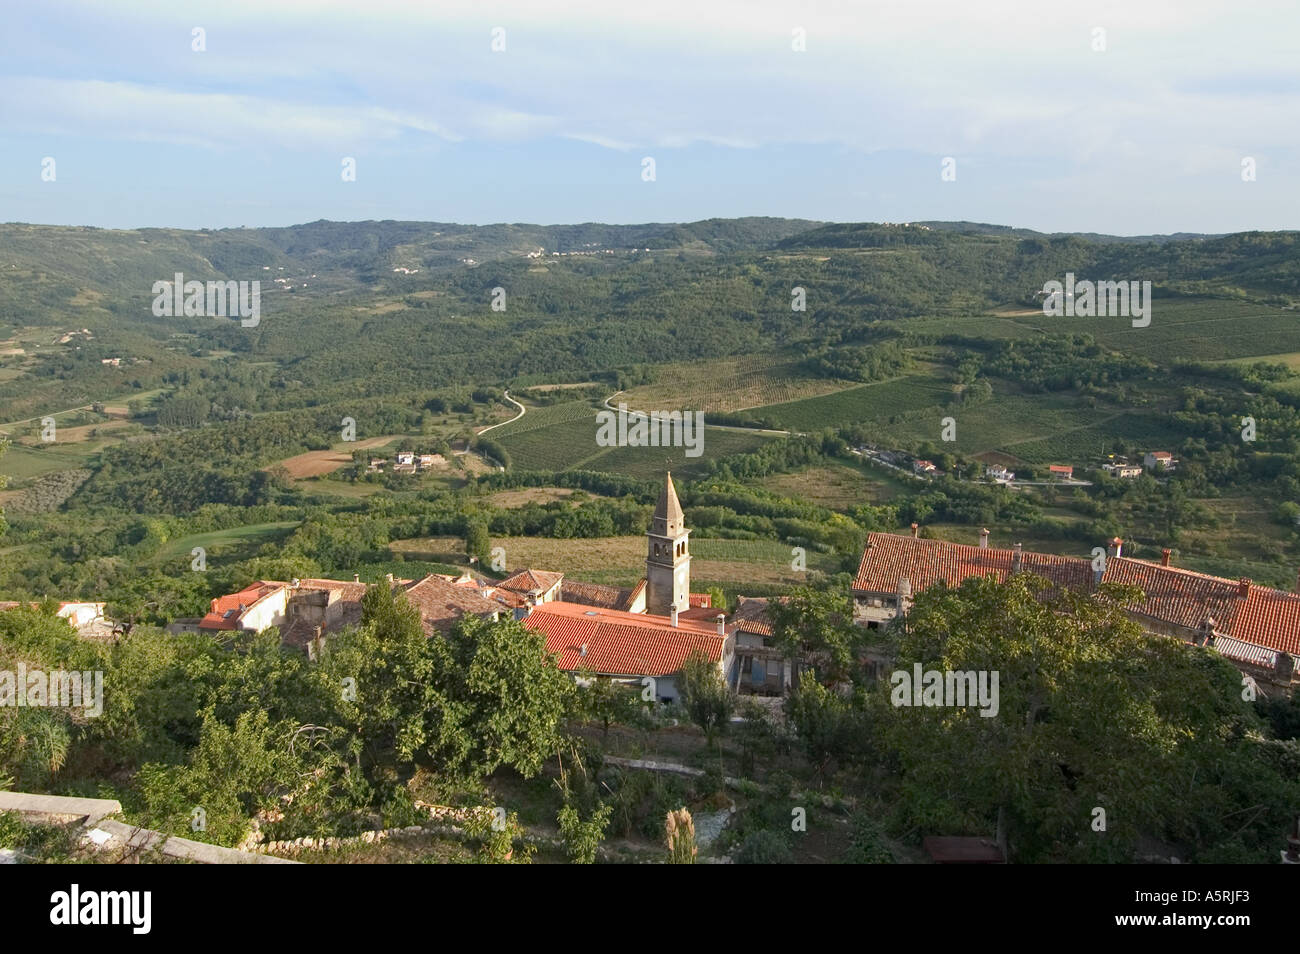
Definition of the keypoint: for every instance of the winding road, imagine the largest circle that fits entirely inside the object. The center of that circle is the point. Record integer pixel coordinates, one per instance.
(522, 411)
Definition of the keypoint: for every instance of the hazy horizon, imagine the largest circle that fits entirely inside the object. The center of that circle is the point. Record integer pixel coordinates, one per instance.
(1108, 119)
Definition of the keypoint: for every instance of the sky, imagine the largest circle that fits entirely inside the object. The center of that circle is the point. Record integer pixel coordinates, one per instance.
(1131, 117)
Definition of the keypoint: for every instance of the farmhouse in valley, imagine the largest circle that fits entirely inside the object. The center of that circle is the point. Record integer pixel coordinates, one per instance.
(1159, 461)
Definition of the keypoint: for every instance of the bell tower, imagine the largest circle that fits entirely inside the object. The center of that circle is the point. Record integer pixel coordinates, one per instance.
(668, 557)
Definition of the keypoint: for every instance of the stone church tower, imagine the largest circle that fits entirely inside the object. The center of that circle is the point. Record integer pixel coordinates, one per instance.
(668, 558)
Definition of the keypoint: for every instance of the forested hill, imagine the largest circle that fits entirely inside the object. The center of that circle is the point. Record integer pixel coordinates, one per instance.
(44, 264)
(45, 269)
(1257, 265)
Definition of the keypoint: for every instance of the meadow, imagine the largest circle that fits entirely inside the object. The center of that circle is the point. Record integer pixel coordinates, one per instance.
(620, 561)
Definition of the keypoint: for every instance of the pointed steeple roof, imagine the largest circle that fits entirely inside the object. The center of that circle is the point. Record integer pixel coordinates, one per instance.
(668, 519)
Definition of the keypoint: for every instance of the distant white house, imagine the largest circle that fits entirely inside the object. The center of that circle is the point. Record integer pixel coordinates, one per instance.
(1159, 461)
(1000, 474)
(1124, 471)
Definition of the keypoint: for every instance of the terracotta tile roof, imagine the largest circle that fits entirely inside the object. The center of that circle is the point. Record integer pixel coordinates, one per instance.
(701, 614)
(224, 612)
(619, 643)
(349, 591)
(441, 603)
(1176, 596)
(529, 581)
(698, 600)
(1269, 618)
(505, 597)
(890, 557)
(596, 594)
(750, 616)
(1256, 621)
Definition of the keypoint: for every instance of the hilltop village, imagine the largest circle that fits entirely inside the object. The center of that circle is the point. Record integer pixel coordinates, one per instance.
(650, 629)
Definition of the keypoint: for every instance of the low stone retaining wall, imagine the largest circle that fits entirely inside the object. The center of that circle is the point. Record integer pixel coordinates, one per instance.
(101, 833)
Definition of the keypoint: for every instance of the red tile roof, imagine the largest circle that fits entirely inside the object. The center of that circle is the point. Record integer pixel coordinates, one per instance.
(698, 600)
(597, 594)
(1257, 615)
(750, 616)
(1270, 618)
(224, 612)
(890, 557)
(528, 581)
(619, 643)
(1174, 595)
(441, 603)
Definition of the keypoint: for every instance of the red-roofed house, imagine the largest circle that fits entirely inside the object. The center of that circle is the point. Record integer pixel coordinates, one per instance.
(761, 668)
(1256, 628)
(442, 602)
(306, 611)
(1061, 471)
(252, 609)
(629, 646)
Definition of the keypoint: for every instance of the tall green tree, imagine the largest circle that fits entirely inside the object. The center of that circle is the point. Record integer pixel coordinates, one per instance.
(709, 701)
(1102, 734)
(503, 700)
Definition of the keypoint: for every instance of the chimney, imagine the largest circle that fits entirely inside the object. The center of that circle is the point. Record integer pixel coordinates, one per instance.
(984, 538)
(356, 577)
(1015, 559)
(916, 530)
(672, 613)
(1164, 556)
(584, 649)
(389, 578)
(1115, 549)
(1243, 587)
(722, 625)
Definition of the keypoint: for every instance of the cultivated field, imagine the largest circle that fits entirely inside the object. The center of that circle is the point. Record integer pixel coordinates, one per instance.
(527, 495)
(315, 463)
(233, 543)
(621, 560)
(865, 402)
(1200, 330)
(835, 485)
(569, 443)
(727, 384)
